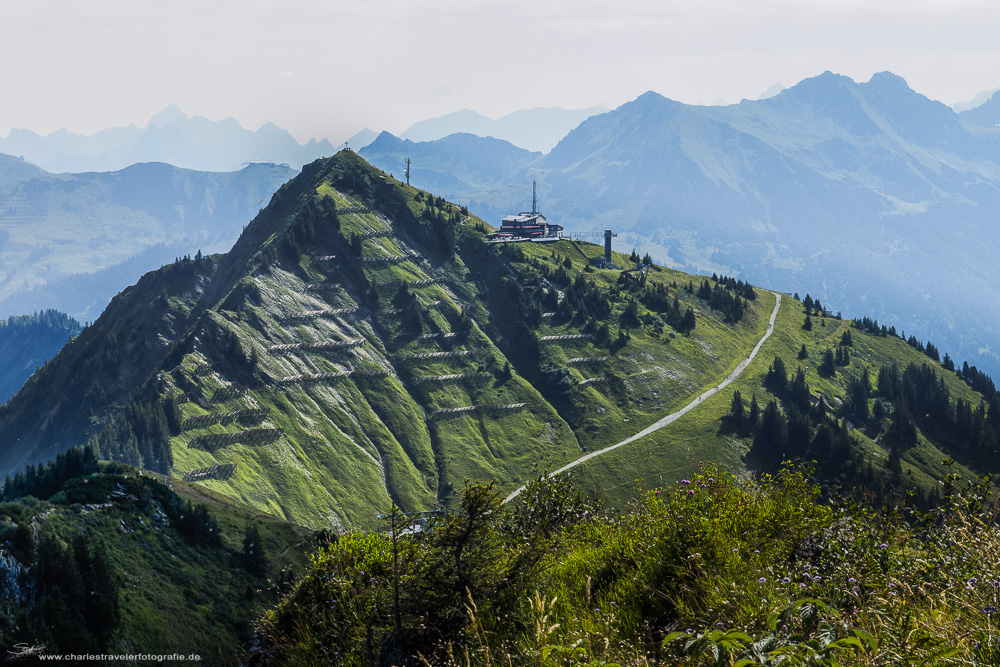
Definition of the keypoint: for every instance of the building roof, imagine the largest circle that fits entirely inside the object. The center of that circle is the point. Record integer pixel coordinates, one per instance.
(524, 218)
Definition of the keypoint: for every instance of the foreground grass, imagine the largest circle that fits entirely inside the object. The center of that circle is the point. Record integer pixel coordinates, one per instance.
(709, 571)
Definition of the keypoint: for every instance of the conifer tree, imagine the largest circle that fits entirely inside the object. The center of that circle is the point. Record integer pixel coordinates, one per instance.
(878, 411)
(754, 411)
(254, 554)
(828, 365)
(777, 376)
(736, 410)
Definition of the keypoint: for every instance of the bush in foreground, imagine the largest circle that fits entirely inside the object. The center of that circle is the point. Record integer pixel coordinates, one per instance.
(710, 572)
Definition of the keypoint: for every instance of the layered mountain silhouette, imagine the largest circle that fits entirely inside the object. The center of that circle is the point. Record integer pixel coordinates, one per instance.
(869, 195)
(986, 114)
(170, 136)
(73, 241)
(531, 129)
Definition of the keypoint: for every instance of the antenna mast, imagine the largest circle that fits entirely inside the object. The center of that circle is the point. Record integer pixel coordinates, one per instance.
(534, 200)
(407, 171)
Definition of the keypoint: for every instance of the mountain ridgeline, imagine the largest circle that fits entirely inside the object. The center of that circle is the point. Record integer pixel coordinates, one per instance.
(171, 136)
(869, 195)
(72, 241)
(362, 344)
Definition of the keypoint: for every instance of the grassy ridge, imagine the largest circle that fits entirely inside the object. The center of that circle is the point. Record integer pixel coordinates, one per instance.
(384, 431)
(397, 269)
(702, 436)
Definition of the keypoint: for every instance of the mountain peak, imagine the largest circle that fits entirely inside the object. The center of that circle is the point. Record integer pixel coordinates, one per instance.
(827, 78)
(889, 81)
(651, 99)
(651, 95)
(386, 140)
(169, 115)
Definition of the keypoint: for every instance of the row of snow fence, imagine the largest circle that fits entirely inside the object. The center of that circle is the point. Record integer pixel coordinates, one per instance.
(449, 334)
(329, 377)
(221, 471)
(452, 378)
(250, 416)
(316, 314)
(438, 355)
(454, 412)
(275, 350)
(227, 393)
(390, 259)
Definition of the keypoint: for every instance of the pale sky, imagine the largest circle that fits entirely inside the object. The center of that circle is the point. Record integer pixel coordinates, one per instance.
(327, 68)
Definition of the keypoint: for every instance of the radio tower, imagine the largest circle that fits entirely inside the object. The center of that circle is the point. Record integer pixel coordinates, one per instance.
(534, 201)
(407, 171)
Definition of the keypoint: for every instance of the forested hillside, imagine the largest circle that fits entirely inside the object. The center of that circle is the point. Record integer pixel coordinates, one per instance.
(102, 559)
(29, 341)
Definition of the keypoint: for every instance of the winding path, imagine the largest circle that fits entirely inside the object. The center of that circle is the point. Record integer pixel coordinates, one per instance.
(674, 416)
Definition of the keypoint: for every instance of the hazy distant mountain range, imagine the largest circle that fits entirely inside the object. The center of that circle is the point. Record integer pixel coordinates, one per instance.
(73, 241)
(977, 100)
(172, 137)
(986, 114)
(27, 342)
(195, 142)
(868, 195)
(531, 129)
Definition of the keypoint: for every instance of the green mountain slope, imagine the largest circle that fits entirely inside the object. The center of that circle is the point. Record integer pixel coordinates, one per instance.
(99, 558)
(361, 344)
(708, 434)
